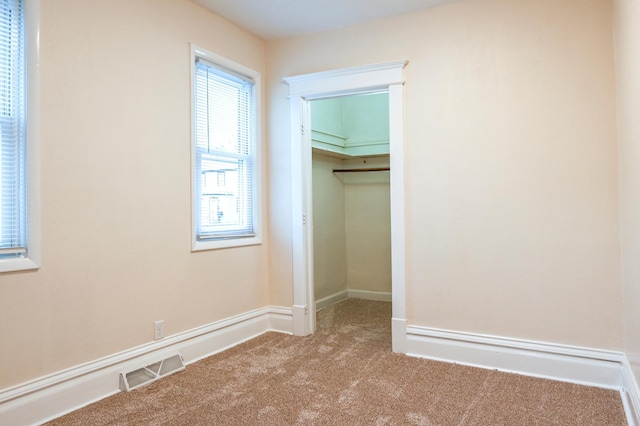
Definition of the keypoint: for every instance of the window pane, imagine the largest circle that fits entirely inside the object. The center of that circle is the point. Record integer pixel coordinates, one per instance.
(221, 192)
(224, 143)
(12, 129)
(224, 107)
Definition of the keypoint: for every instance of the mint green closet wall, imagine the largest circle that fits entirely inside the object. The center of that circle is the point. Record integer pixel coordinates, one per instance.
(352, 125)
(352, 233)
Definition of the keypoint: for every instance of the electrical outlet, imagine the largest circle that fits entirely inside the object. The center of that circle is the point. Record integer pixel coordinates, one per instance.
(158, 330)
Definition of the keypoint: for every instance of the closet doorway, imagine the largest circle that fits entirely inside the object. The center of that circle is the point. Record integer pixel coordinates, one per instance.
(384, 77)
(351, 198)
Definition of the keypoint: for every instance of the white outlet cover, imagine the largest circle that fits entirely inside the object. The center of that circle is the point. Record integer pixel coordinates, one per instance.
(159, 330)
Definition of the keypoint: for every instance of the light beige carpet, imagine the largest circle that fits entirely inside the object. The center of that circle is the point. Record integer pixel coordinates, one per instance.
(346, 374)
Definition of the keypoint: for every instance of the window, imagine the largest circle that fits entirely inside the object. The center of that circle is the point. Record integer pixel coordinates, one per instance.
(226, 205)
(18, 203)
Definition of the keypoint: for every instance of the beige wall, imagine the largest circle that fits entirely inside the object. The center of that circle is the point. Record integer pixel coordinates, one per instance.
(627, 21)
(511, 166)
(351, 227)
(116, 189)
(329, 232)
(368, 226)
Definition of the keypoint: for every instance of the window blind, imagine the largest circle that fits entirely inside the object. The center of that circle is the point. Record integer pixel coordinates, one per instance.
(225, 153)
(12, 130)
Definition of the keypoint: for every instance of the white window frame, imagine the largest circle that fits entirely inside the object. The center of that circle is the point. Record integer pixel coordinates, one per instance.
(31, 260)
(196, 244)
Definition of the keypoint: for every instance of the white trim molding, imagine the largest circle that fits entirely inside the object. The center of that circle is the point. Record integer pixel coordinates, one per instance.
(346, 81)
(332, 299)
(586, 366)
(399, 335)
(51, 396)
(383, 77)
(630, 394)
(383, 296)
(593, 367)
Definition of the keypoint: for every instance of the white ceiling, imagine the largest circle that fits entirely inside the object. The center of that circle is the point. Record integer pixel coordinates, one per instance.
(271, 19)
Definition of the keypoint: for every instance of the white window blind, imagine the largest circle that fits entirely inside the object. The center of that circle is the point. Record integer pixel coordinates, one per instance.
(13, 211)
(225, 153)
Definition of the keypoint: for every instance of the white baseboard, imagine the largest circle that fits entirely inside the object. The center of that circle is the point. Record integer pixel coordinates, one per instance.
(592, 367)
(330, 300)
(280, 319)
(630, 394)
(587, 366)
(51, 396)
(352, 294)
(382, 296)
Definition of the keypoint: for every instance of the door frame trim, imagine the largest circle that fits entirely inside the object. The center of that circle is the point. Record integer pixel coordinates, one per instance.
(389, 77)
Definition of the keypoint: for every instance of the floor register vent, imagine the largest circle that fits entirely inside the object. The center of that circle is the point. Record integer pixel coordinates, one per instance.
(145, 375)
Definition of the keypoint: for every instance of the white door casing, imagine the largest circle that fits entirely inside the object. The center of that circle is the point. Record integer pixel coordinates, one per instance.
(386, 77)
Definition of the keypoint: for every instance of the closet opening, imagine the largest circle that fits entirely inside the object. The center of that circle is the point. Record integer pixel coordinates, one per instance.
(351, 198)
(303, 89)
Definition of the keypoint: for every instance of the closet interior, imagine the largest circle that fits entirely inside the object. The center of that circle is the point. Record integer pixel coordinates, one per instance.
(351, 204)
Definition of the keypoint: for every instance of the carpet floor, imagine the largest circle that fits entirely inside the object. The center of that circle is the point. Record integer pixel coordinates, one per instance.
(346, 374)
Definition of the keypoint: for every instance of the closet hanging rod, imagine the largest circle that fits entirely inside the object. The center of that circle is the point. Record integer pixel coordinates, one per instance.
(370, 169)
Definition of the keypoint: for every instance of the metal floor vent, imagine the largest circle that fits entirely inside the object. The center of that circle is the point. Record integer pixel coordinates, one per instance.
(145, 375)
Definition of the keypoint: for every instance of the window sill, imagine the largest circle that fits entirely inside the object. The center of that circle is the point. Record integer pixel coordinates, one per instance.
(22, 264)
(221, 244)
